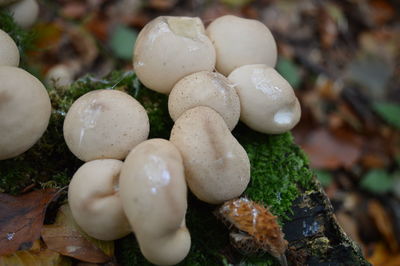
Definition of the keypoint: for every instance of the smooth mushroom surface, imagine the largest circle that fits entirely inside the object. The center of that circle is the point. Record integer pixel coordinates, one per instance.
(268, 103)
(25, 12)
(153, 193)
(105, 124)
(170, 48)
(217, 167)
(60, 76)
(94, 199)
(205, 89)
(239, 41)
(25, 110)
(9, 53)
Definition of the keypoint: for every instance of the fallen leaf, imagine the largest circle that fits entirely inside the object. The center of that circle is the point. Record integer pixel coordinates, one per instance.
(66, 238)
(324, 177)
(122, 42)
(390, 112)
(327, 29)
(377, 181)
(383, 257)
(383, 222)
(331, 151)
(382, 11)
(21, 219)
(290, 71)
(43, 257)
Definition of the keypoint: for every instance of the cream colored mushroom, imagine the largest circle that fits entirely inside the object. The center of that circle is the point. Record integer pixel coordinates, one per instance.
(268, 103)
(153, 193)
(94, 199)
(9, 54)
(24, 111)
(217, 167)
(205, 89)
(170, 48)
(105, 124)
(240, 42)
(25, 12)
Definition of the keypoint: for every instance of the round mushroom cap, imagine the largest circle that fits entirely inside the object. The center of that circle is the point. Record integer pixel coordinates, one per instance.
(240, 42)
(60, 76)
(205, 89)
(105, 124)
(217, 167)
(25, 12)
(170, 48)
(6, 2)
(9, 54)
(25, 110)
(94, 199)
(268, 103)
(154, 197)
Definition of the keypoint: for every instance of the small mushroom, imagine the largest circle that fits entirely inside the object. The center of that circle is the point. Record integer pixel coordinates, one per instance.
(153, 193)
(268, 103)
(25, 12)
(217, 167)
(170, 48)
(105, 124)
(9, 54)
(94, 199)
(25, 110)
(240, 42)
(205, 89)
(60, 76)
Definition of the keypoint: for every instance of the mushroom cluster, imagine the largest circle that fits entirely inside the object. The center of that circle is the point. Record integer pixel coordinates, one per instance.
(25, 106)
(24, 12)
(147, 192)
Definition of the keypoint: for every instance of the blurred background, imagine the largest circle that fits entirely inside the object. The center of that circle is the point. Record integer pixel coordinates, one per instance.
(341, 57)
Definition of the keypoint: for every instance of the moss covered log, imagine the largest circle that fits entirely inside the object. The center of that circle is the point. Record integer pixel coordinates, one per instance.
(280, 179)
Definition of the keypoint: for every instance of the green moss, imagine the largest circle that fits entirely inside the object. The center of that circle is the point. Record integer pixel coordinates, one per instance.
(278, 169)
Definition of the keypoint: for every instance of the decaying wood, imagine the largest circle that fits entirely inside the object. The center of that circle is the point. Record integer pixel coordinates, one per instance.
(315, 237)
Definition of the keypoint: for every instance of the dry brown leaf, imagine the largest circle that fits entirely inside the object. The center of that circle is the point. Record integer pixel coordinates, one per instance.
(383, 257)
(66, 238)
(21, 219)
(331, 151)
(384, 223)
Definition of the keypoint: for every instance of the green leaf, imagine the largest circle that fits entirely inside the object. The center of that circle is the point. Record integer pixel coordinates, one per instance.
(290, 71)
(122, 42)
(377, 181)
(324, 177)
(390, 112)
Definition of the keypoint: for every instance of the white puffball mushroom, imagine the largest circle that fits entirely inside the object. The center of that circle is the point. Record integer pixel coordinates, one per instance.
(268, 103)
(239, 41)
(93, 196)
(170, 48)
(154, 197)
(25, 12)
(25, 110)
(60, 76)
(9, 53)
(105, 124)
(205, 89)
(217, 167)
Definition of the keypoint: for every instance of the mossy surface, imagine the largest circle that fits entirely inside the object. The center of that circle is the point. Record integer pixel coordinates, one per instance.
(278, 169)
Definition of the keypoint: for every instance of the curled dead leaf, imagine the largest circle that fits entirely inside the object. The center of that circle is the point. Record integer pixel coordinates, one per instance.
(21, 219)
(66, 238)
